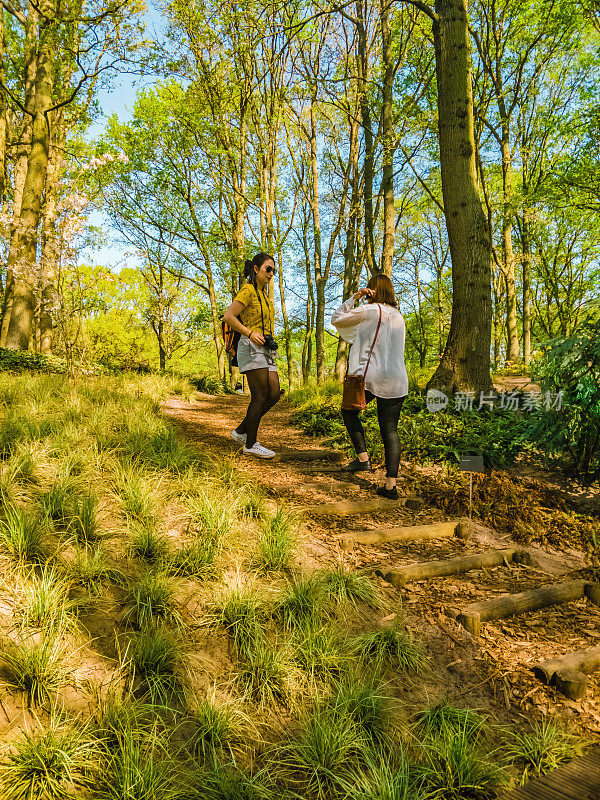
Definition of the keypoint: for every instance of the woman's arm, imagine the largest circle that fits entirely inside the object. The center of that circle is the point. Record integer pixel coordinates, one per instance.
(231, 318)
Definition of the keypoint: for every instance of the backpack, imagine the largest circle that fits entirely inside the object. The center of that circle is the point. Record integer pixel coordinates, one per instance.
(231, 339)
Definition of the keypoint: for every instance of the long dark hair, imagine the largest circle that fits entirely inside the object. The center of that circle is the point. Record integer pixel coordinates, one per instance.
(258, 260)
(383, 290)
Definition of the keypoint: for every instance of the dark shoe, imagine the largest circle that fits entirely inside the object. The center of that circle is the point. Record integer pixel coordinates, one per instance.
(389, 494)
(357, 466)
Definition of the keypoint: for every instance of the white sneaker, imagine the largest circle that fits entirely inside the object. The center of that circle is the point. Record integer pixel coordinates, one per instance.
(240, 438)
(258, 450)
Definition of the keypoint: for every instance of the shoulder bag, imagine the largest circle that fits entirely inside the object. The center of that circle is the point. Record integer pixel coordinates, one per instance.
(353, 397)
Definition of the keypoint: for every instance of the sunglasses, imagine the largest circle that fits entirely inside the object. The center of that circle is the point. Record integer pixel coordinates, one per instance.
(271, 269)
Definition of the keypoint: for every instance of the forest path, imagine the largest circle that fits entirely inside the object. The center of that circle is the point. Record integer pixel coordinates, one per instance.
(492, 672)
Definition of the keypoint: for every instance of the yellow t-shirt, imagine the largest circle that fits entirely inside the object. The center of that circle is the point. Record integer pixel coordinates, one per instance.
(248, 296)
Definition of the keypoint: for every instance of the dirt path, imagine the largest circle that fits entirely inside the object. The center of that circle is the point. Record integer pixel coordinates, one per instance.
(492, 672)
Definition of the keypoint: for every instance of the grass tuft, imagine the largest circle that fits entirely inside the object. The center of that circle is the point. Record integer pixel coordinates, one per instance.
(153, 600)
(277, 541)
(83, 522)
(365, 704)
(344, 586)
(36, 668)
(239, 613)
(229, 782)
(137, 495)
(302, 604)
(44, 601)
(149, 546)
(444, 717)
(321, 653)
(543, 749)
(90, 570)
(390, 647)
(196, 559)
(220, 727)
(154, 662)
(22, 536)
(264, 675)
(48, 764)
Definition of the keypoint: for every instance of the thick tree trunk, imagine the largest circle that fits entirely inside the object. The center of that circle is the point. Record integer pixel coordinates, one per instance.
(465, 364)
(387, 128)
(20, 163)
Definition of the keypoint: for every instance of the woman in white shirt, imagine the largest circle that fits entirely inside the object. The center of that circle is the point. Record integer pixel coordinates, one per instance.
(386, 377)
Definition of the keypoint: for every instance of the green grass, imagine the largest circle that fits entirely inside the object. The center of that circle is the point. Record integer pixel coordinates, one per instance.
(321, 761)
(229, 782)
(386, 778)
(137, 495)
(364, 702)
(277, 542)
(240, 613)
(455, 767)
(341, 585)
(196, 559)
(90, 570)
(22, 536)
(83, 521)
(264, 675)
(152, 600)
(321, 653)
(140, 770)
(211, 517)
(390, 647)
(155, 662)
(44, 601)
(57, 501)
(542, 749)
(302, 604)
(220, 728)
(35, 667)
(148, 545)
(48, 764)
(444, 717)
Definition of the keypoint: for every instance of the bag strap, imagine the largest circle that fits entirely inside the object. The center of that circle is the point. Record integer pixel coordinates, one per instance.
(374, 340)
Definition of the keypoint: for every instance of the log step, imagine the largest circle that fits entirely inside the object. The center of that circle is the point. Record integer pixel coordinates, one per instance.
(347, 508)
(311, 455)
(399, 533)
(569, 672)
(422, 570)
(508, 604)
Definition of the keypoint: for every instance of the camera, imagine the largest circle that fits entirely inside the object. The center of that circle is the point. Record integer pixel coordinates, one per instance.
(270, 342)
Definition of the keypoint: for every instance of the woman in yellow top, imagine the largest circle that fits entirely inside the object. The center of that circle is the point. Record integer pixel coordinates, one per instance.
(257, 350)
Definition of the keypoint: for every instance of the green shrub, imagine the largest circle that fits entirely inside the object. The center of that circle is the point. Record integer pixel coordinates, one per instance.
(571, 365)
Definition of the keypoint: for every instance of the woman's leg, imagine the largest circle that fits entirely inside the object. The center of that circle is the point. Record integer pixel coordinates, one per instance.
(258, 381)
(274, 392)
(356, 432)
(388, 414)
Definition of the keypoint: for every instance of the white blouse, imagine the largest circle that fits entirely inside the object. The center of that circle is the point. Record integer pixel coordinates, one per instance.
(386, 376)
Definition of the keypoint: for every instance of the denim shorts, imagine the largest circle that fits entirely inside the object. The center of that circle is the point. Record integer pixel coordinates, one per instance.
(251, 356)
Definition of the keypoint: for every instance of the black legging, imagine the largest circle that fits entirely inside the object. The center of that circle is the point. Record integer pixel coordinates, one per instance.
(264, 393)
(388, 414)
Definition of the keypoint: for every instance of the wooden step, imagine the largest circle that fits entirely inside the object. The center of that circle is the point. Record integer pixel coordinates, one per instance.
(569, 672)
(348, 508)
(311, 455)
(399, 533)
(422, 570)
(578, 780)
(508, 604)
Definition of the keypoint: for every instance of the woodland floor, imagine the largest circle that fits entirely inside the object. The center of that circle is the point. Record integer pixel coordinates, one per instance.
(491, 673)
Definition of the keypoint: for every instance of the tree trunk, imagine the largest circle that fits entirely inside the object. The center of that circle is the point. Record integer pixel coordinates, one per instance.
(526, 258)
(512, 337)
(365, 113)
(465, 364)
(20, 164)
(387, 127)
(25, 239)
(318, 266)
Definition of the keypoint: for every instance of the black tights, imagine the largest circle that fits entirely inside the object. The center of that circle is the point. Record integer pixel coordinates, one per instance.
(265, 392)
(388, 414)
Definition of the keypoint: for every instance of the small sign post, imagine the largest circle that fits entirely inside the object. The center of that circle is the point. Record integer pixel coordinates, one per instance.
(471, 461)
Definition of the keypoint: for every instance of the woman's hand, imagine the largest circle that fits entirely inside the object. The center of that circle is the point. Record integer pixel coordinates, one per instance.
(364, 293)
(257, 338)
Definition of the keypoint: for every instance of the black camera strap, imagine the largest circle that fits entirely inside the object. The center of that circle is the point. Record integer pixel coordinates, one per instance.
(262, 319)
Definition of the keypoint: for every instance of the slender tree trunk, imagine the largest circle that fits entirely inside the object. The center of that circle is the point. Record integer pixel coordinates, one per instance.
(465, 364)
(526, 257)
(365, 113)
(512, 337)
(317, 266)
(387, 117)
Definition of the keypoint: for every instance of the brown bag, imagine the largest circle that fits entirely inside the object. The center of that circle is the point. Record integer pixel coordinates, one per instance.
(353, 397)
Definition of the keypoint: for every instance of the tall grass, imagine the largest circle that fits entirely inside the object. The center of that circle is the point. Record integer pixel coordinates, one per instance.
(155, 664)
(44, 601)
(36, 667)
